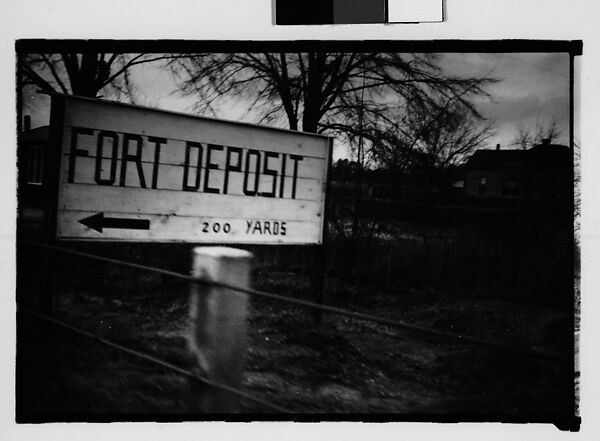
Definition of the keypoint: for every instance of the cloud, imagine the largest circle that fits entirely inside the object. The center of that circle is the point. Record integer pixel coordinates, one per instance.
(519, 110)
(531, 88)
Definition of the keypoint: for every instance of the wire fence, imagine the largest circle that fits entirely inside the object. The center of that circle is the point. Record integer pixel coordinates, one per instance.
(154, 360)
(415, 329)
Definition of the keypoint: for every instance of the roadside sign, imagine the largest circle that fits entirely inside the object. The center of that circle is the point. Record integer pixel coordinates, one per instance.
(130, 173)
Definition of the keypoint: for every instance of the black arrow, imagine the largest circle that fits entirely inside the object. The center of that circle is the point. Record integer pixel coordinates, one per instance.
(98, 221)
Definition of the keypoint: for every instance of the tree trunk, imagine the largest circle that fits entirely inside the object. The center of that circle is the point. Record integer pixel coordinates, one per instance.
(286, 96)
(313, 98)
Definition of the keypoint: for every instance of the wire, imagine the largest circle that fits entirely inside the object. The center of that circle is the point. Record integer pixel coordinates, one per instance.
(154, 360)
(331, 309)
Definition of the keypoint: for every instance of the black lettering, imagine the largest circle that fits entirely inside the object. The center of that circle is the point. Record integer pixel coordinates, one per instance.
(283, 228)
(257, 227)
(157, 142)
(282, 175)
(205, 227)
(137, 158)
(226, 228)
(248, 226)
(267, 227)
(186, 167)
(276, 228)
(256, 154)
(230, 167)
(270, 172)
(210, 166)
(113, 159)
(75, 131)
(295, 158)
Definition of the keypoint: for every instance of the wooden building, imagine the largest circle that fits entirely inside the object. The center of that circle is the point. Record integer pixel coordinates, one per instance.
(542, 173)
(32, 144)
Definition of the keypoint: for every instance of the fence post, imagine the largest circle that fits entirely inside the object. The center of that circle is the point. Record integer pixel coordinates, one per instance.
(217, 337)
(317, 279)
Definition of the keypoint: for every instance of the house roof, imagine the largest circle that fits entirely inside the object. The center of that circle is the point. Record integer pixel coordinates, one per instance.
(542, 156)
(495, 159)
(549, 157)
(38, 135)
(549, 148)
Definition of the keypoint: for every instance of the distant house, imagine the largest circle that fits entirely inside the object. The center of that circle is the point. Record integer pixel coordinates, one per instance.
(542, 173)
(32, 144)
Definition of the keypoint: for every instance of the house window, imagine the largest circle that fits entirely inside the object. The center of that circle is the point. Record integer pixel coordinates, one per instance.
(482, 184)
(35, 165)
(509, 187)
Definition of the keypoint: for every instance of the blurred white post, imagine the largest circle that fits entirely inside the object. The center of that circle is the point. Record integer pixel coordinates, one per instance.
(217, 336)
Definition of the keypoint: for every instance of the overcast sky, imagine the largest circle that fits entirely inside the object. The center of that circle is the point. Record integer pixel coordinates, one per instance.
(532, 89)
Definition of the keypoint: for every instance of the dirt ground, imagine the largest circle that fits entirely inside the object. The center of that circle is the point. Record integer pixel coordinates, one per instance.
(343, 366)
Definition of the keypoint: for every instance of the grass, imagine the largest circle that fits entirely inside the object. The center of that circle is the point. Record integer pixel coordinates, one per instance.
(507, 285)
(343, 366)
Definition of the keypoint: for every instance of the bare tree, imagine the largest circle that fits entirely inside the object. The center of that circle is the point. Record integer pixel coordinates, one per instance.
(448, 138)
(87, 74)
(527, 137)
(361, 98)
(436, 140)
(323, 92)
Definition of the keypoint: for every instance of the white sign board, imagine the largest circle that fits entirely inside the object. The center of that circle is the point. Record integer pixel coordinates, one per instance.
(139, 174)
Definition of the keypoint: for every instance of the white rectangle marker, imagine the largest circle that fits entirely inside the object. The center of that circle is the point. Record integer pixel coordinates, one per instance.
(411, 11)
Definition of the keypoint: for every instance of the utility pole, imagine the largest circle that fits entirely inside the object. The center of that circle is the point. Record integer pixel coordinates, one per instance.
(358, 178)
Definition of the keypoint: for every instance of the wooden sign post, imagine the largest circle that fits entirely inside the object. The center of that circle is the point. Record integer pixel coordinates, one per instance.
(129, 173)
